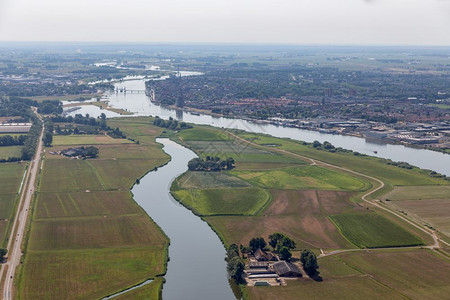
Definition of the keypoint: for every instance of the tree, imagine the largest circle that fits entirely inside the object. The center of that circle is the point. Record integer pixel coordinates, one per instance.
(257, 243)
(48, 138)
(235, 268)
(279, 240)
(3, 252)
(232, 251)
(285, 253)
(309, 262)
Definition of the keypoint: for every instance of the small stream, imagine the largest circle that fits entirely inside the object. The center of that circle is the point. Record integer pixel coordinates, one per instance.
(196, 269)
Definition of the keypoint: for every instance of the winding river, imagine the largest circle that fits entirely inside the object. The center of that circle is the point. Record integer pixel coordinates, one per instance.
(197, 269)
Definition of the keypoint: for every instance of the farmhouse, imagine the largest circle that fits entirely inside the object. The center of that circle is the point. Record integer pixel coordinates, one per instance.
(286, 269)
(261, 255)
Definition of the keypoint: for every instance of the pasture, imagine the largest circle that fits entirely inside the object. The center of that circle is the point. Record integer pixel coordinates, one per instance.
(87, 234)
(419, 193)
(416, 274)
(203, 134)
(205, 180)
(370, 230)
(10, 151)
(236, 201)
(300, 214)
(365, 164)
(87, 139)
(303, 177)
(82, 274)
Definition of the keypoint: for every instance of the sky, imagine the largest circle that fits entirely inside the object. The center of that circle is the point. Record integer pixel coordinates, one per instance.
(330, 22)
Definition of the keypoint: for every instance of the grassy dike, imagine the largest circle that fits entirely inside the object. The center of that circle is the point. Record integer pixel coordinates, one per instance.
(308, 199)
(88, 237)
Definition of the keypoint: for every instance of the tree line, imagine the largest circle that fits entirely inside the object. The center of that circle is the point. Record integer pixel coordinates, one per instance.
(210, 164)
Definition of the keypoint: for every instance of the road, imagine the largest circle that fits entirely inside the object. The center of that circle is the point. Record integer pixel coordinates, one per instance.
(17, 233)
(430, 232)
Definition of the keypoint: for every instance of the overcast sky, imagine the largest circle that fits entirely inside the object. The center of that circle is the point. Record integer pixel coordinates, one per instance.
(413, 22)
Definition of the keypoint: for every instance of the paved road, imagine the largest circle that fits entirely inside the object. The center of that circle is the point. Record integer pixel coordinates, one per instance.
(430, 232)
(15, 240)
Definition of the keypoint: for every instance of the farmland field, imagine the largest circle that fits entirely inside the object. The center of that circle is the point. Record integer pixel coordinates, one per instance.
(209, 180)
(416, 274)
(91, 273)
(370, 230)
(86, 140)
(149, 291)
(237, 201)
(419, 193)
(11, 175)
(203, 134)
(87, 234)
(301, 214)
(304, 177)
(10, 151)
(367, 165)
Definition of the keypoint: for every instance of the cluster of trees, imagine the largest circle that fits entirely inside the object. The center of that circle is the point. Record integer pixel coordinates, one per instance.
(30, 144)
(99, 122)
(50, 107)
(8, 140)
(210, 164)
(235, 265)
(282, 244)
(3, 252)
(15, 106)
(309, 262)
(400, 164)
(170, 124)
(48, 133)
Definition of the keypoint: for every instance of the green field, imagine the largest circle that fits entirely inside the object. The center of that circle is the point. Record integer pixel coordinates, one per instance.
(304, 177)
(370, 230)
(419, 193)
(86, 139)
(416, 274)
(10, 151)
(203, 134)
(11, 175)
(88, 238)
(237, 201)
(200, 180)
(87, 274)
(367, 165)
(300, 214)
(148, 292)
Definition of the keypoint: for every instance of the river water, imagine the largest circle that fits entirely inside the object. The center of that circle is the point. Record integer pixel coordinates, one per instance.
(197, 269)
(141, 105)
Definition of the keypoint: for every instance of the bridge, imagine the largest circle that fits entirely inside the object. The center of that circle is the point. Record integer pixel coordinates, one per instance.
(125, 90)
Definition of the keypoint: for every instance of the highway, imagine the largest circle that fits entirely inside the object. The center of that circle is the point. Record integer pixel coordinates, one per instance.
(17, 233)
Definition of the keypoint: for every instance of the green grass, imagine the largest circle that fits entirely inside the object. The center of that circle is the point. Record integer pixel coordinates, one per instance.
(304, 177)
(208, 202)
(417, 274)
(210, 180)
(419, 193)
(10, 151)
(86, 139)
(151, 291)
(87, 274)
(88, 238)
(370, 230)
(203, 134)
(443, 106)
(365, 164)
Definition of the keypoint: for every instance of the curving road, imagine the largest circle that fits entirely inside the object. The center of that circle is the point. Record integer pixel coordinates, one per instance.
(18, 229)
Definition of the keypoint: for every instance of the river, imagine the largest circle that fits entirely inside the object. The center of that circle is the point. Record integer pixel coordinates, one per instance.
(141, 105)
(197, 269)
